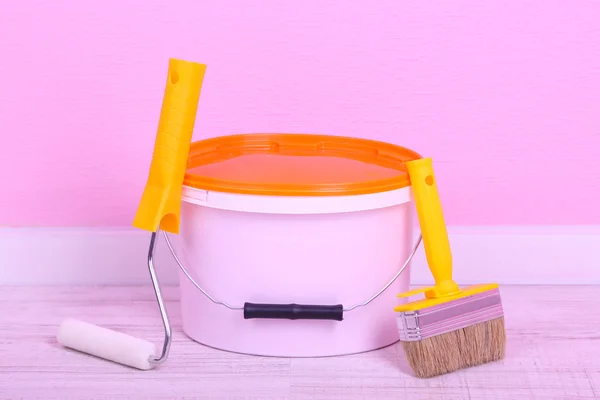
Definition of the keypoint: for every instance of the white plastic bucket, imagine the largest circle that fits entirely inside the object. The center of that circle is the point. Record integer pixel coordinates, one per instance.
(264, 249)
(311, 250)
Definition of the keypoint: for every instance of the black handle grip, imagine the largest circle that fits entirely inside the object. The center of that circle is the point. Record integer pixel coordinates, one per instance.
(293, 311)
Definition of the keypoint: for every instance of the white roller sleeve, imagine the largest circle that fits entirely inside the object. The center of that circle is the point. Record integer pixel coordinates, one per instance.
(105, 343)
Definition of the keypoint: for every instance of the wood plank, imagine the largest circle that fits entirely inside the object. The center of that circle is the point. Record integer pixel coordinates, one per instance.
(552, 353)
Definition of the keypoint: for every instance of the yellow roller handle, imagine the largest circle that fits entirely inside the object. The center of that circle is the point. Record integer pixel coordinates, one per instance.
(433, 227)
(161, 201)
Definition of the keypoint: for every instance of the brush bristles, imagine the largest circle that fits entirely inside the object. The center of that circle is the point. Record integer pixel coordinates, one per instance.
(473, 345)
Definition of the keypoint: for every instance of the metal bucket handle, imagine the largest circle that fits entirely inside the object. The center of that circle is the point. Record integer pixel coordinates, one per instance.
(253, 310)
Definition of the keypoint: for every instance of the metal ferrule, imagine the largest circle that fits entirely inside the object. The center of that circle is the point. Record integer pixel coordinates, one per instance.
(447, 317)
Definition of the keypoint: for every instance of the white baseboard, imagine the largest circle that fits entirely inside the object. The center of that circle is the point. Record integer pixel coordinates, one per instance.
(508, 255)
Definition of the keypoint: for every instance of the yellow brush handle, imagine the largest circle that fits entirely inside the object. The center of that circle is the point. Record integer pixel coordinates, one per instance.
(433, 227)
(161, 201)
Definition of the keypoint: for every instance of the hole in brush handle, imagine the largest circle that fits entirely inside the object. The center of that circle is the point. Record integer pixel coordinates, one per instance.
(293, 311)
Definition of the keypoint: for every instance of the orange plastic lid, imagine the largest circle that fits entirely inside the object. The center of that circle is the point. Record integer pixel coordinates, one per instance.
(296, 165)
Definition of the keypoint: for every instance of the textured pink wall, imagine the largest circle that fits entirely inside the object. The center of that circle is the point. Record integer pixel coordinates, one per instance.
(504, 95)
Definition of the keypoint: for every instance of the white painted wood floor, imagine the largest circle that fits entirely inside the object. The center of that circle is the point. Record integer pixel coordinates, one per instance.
(553, 352)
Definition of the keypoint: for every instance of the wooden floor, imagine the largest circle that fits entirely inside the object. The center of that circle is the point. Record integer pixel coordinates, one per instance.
(553, 352)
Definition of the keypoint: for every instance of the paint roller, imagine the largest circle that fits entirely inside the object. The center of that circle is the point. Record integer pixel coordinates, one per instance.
(159, 209)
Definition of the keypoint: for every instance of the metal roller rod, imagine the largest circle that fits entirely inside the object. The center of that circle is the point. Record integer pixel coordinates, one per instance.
(161, 305)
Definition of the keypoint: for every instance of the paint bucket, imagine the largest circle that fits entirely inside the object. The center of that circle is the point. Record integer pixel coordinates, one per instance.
(292, 244)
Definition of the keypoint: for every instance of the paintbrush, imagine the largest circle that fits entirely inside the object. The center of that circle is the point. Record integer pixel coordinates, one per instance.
(451, 328)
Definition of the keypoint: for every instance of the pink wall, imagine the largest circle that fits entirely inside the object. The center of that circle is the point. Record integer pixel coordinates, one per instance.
(504, 95)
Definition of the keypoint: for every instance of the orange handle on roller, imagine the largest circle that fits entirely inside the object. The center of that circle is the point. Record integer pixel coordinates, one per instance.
(161, 201)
